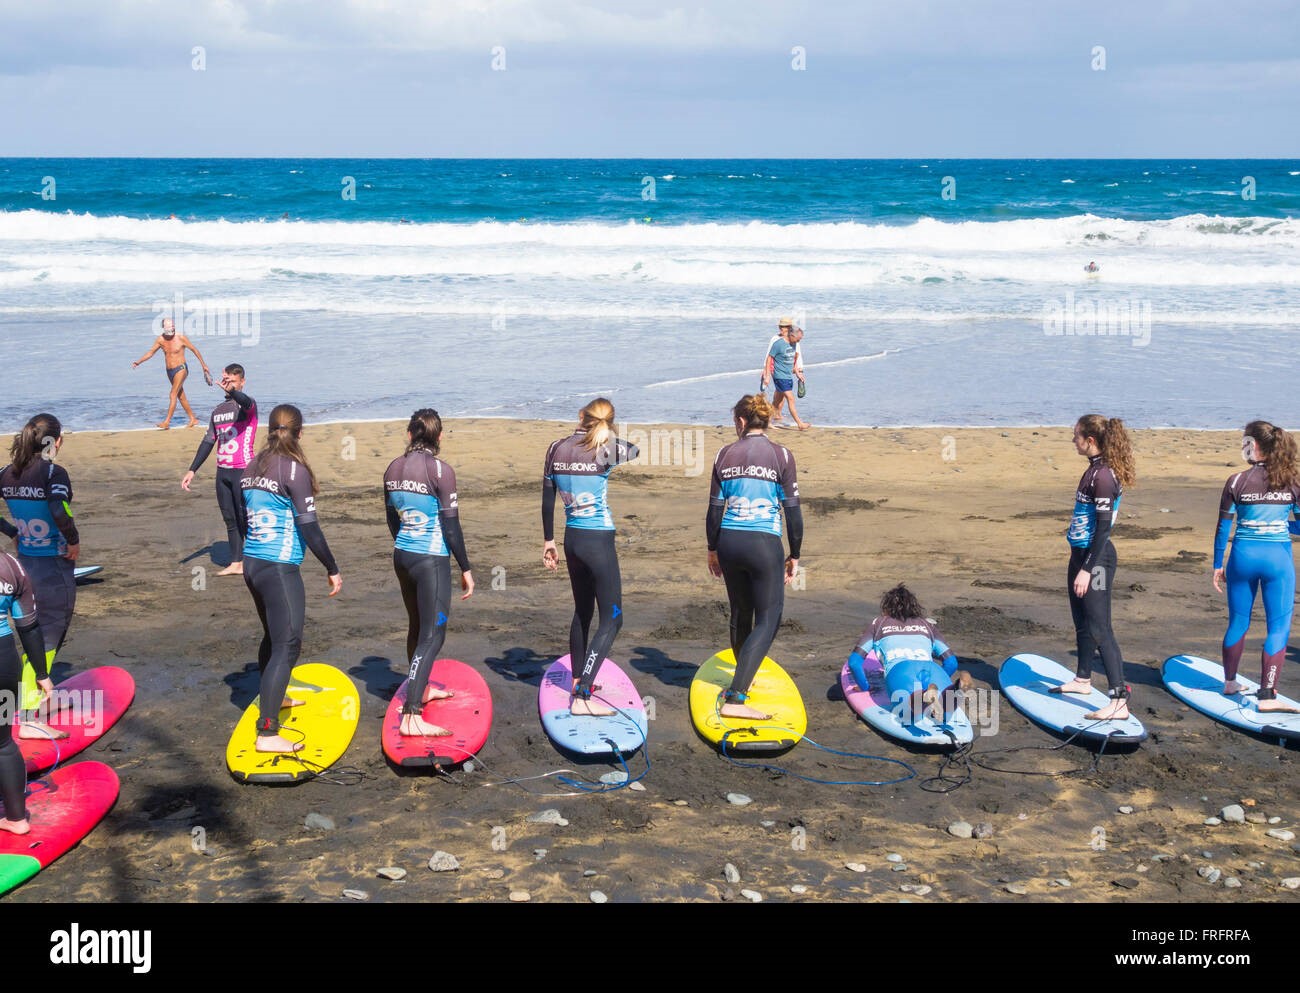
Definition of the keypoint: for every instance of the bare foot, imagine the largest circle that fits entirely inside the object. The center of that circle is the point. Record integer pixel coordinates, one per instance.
(234, 569)
(291, 702)
(37, 731)
(741, 710)
(962, 681)
(1076, 685)
(930, 703)
(193, 423)
(805, 425)
(589, 708)
(432, 693)
(1116, 710)
(275, 743)
(415, 726)
(16, 827)
(1276, 707)
(165, 426)
(1231, 688)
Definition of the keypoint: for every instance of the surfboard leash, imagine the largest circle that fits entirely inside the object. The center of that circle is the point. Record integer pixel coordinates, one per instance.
(334, 775)
(780, 770)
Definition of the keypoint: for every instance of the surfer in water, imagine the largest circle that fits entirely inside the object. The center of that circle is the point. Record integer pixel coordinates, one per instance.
(280, 499)
(902, 648)
(421, 505)
(173, 346)
(17, 602)
(577, 469)
(1263, 499)
(38, 494)
(232, 430)
(1105, 443)
(753, 479)
(1092, 267)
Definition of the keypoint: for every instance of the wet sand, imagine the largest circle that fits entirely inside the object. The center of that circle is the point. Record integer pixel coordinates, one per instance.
(971, 519)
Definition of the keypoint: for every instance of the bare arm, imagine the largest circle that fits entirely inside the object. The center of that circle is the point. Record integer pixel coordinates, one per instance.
(147, 355)
(186, 343)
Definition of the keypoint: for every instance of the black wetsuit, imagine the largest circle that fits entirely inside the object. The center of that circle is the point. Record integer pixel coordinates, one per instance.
(580, 477)
(17, 600)
(1095, 505)
(232, 430)
(423, 516)
(753, 479)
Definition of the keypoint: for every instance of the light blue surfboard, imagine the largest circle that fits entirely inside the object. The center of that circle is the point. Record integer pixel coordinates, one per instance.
(624, 731)
(1027, 680)
(1199, 684)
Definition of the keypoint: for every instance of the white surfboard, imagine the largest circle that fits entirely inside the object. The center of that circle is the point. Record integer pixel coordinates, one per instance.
(1199, 684)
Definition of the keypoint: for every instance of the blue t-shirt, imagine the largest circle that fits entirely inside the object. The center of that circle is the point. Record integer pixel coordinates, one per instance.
(782, 354)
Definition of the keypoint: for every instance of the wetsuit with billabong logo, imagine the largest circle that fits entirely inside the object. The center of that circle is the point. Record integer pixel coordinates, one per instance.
(232, 431)
(39, 500)
(1096, 504)
(911, 654)
(1261, 560)
(17, 602)
(754, 480)
(282, 521)
(422, 509)
(579, 476)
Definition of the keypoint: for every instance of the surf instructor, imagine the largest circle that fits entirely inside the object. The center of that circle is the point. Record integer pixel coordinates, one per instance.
(753, 480)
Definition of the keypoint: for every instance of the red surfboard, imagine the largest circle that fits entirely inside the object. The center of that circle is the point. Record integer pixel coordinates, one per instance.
(63, 808)
(467, 715)
(85, 705)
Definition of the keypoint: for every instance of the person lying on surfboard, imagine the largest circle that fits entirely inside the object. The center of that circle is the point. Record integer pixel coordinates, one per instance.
(902, 649)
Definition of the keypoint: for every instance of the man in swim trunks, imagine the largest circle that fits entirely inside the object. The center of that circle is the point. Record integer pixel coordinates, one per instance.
(783, 367)
(173, 347)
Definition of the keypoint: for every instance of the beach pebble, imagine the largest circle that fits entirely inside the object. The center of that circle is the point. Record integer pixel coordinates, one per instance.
(468, 767)
(1063, 883)
(893, 857)
(730, 873)
(913, 888)
(1207, 855)
(589, 872)
(1292, 882)
(679, 803)
(1126, 809)
(391, 872)
(960, 829)
(901, 867)
(1275, 820)
(1232, 882)
(1254, 865)
(496, 874)
(1256, 818)
(1143, 868)
(1127, 883)
(443, 862)
(739, 799)
(614, 778)
(1281, 834)
(356, 894)
(767, 824)
(799, 888)
(1017, 888)
(548, 816)
(1209, 873)
(1233, 814)
(319, 822)
(597, 897)
(983, 830)
(753, 896)
(855, 867)
(1164, 510)
(1161, 858)
(539, 853)
(520, 896)
(1211, 822)
(636, 787)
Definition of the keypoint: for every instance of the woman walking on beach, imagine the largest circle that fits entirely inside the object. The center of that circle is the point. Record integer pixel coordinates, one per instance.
(1091, 572)
(753, 478)
(577, 468)
(423, 517)
(902, 647)
(1262, 498)
(280, 497)
(38, 494)
(17, 601)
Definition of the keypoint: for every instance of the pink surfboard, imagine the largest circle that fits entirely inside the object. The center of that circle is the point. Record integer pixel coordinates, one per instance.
(85, 705)
(624, 732)
(468, 715)
(63, 808)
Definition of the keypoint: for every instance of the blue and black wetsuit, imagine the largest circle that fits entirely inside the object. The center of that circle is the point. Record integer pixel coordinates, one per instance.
(913, 656)
(580, 477)
(17, 601)
(1096, 504)
(40, 502)
(421, 505)
(753, 480)
(281, 520)
(1260, 562)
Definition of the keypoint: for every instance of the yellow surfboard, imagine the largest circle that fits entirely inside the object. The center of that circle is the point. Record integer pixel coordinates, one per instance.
(772, 692)
(324, 724)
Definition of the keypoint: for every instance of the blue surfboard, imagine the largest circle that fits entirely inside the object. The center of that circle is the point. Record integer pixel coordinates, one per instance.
(1027, 680)
(624, 731)
(1199, 684)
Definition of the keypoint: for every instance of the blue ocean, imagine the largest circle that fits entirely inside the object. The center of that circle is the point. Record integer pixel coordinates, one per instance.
(931, 291)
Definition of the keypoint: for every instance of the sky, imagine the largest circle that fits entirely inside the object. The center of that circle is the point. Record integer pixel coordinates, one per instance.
(631, 78)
